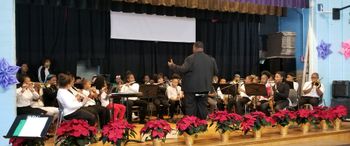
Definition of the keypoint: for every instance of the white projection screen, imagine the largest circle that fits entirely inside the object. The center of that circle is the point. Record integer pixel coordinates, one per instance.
(131, 26)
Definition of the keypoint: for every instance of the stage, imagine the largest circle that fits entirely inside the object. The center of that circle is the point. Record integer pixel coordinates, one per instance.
(270, 137)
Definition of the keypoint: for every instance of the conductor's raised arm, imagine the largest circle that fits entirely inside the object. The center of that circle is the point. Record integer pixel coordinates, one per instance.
(184, 68)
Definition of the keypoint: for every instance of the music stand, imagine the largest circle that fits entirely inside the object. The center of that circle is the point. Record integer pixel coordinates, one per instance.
(229, 89)
(255, 89)
(30, 127)
(149, 91)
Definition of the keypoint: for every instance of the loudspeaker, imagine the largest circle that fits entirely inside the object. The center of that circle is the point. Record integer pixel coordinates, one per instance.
(281, 44)
(279, 64)
(341, 89)
(342, 101)
(336, 13)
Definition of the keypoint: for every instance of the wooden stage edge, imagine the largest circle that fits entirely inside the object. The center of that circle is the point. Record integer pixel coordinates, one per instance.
(270, 137)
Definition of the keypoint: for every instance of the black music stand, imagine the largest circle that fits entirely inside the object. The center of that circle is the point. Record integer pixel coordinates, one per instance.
(149, 91)
(255, 89)
(30, 127)
(229, 89)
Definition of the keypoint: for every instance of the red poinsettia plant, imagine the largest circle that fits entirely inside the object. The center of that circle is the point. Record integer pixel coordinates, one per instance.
(191, 125)
(255, 121)
(158, 129)
(283, 117)
(339, 111)
(75, 133)
(304, 116)
(225, 121)
(322, 113)
(117, 132)
(19, 141)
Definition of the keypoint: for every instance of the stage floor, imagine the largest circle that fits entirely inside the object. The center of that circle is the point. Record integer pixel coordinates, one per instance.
(270, 137)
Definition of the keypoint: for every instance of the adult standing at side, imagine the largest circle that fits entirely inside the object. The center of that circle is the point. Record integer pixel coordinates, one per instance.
(198, 70)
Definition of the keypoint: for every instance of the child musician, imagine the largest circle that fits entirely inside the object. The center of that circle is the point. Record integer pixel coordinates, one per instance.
(119, 109)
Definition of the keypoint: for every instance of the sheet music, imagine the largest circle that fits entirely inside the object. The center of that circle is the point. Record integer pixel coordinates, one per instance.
(33, 126)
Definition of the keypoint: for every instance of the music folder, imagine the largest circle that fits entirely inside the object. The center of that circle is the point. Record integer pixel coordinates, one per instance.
(149, 91)
(255, 89)
(29, 126)
(226, 88)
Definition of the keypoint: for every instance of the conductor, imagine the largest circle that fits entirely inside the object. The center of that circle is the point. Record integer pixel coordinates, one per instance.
(198, 70)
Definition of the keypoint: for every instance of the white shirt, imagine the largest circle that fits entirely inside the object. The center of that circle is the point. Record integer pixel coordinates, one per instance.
(296, 86)
(313, 92)
(104, 99)
(69, 102)
(173, 93)
(25, 98)
(46, 71)
(242, 93)
(220, 94)
(90, 101)
(134, 88)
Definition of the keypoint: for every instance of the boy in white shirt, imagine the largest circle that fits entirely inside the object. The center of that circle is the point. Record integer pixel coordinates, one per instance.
(132, 87)
(313, 91)
(174, 94)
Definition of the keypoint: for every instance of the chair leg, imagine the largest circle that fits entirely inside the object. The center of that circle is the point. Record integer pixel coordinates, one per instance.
(59, 120)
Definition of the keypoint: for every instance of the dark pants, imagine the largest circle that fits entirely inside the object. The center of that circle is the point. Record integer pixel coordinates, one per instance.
(309, 100)
(231, 104)
(143, 109)
(221, 104)
(264, 107)
(173, 106)
(162, 105)
(27, 110)
(101, 112)
(83, 114)
(196, 105)
(240, 104)
(281, 104)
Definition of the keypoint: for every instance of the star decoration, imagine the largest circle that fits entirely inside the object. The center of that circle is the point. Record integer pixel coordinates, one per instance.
(7, 74)
(345, 50)
(324, 50)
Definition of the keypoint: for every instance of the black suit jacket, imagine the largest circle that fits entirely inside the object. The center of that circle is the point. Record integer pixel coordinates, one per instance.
(198, 70)
(283, 92)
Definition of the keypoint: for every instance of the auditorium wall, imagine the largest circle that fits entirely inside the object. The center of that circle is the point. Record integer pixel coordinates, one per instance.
(335, 67)
(7, 49)
(296, 21)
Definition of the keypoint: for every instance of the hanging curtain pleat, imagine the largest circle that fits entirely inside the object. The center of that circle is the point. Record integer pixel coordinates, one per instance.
(249, 7)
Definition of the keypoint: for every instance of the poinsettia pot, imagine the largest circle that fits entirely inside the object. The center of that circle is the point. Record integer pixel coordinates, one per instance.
(324, 125)
(258, 133)
(225, 137)
(337, 124)
(189, 139)
(157, 142)
(305, 127)
(284, 130)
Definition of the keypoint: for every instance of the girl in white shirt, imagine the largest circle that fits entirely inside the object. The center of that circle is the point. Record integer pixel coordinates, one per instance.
(73, 105)
(118, 109)
(25, 96)
(93, 106)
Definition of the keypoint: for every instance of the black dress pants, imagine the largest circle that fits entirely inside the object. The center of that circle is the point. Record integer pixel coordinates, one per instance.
(83, 114)
(196, 105)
